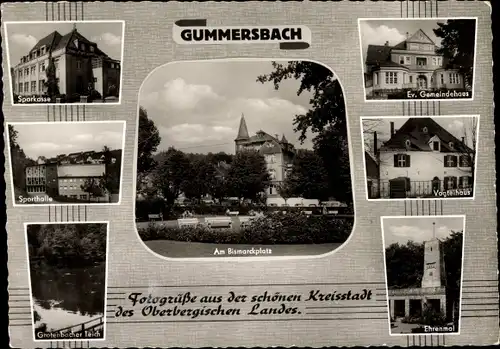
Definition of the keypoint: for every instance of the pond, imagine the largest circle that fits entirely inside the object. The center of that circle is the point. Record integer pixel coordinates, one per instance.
(64, 297)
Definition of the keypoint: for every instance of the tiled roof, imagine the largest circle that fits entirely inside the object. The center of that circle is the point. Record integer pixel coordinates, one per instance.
(80, 170)
(50, 41)
(413, 130)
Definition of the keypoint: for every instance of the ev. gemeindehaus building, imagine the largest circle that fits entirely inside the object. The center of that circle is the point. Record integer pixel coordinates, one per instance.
(80, 67)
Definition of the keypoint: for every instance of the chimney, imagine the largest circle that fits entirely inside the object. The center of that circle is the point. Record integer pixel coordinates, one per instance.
(392, 128)
(463, 140)
(375, 148)
(387, 43)
(407, 35)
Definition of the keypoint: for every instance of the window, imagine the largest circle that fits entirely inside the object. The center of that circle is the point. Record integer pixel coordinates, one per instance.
(41, 84)
(407, 143)
(95, 79)
(442, 79)
(20, 87)
(401, 59)
(33, 70)
(465, 182)
(78, 64)
(33, 87)
(454, 78)
(411, 79)
(435, 145)
(391, 78)
(83, 196)
(91, 48)
(82, 47)
(401, 160)
(425, 129)
(26, 87)
(465, 161)
(421, 61)
(450, 183)
(272, 174)
(434, 60)
(450, 161)
(450, 145)
(407, 60)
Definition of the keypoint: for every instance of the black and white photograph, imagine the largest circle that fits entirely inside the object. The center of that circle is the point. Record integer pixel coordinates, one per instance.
(418, 59)
(68, 272)
(65, 62)
(420, 157)
(261, 169)
(423, 263)
(57, 163)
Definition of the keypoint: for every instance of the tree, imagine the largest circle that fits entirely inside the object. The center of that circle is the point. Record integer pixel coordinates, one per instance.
(326, 118)
(404, 265)
(308, 178)
(51, 84)
(248, 175)
(110, 181)
(19, 160)
(94, 187)
(148, 141)
(458, 45)
(470, 134)
(201, 173)
(169, 177)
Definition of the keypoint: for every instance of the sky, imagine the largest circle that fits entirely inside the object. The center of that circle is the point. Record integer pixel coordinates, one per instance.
(454, 125)
(419, 229)
(377, 32)
(197, 106)
(51, 139)
(23, 36)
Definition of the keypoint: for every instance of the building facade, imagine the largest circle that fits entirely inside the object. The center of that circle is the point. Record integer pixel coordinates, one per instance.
(64, 175)
(412, 64)
(80, 66)
(277, 153)
(422, 159)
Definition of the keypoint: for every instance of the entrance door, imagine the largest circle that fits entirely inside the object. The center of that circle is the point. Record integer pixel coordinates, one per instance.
(422, 82)
(399, 308)
(436, 184)
(415, 307)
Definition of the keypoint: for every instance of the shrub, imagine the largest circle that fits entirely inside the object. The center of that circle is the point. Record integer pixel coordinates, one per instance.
(276, 228)
(93, 95)
(432, 317)
(73, 98)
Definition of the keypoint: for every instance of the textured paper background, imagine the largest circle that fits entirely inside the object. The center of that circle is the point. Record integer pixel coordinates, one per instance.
(359, 264)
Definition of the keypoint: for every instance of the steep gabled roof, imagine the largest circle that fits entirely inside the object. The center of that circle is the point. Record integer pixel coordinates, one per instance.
(413, 130)
(50, 41)
(377, 54)
(403, 45)
(243, 130)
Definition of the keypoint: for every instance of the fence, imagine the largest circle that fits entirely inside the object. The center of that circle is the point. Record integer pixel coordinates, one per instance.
(417, 189)
(91, 325)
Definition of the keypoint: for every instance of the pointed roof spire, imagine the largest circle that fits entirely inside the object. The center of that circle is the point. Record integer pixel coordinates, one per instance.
(243, 130)
(283, 139)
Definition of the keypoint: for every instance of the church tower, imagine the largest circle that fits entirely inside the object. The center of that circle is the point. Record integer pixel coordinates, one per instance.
(242, 134)
(434, 271)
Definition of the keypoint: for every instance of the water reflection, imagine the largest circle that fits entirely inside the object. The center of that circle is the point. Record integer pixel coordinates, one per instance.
(67, 297)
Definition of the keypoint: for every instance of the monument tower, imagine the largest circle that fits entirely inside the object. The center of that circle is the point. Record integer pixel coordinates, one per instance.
(434, 273)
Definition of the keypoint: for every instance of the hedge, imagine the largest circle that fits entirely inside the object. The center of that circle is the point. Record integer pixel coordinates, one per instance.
(268, 230)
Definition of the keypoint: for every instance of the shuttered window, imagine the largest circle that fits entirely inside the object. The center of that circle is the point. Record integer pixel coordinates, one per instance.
(450, 161)
(465, 161)
(402, 160)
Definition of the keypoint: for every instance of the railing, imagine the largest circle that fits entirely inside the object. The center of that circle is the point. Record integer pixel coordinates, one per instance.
(416, 189)
(83, 327)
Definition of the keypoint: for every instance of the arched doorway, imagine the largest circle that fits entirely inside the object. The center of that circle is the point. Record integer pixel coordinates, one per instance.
(422, 82)
(436, 184)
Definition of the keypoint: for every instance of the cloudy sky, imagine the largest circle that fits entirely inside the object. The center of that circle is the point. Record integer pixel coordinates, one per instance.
(377, 32)
(197, 106)
(51, 139)
(419, 229)
(454, 125)
(23, 36)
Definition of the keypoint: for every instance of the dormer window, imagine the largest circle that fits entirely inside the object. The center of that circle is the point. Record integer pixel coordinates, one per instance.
(91, 48)
(425, 129)
(451, 145)
(82, 47)
(407, 143)
(435, 145)
(75, 42)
